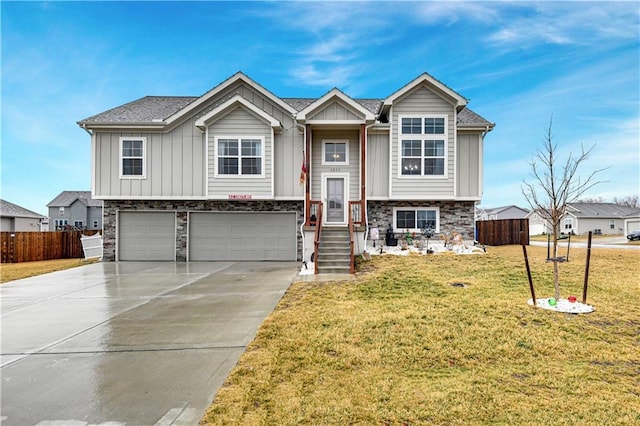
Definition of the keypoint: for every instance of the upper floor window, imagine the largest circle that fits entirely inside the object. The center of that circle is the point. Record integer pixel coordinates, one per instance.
(132, 157)
(61, 211)
(335, 152)
(423, 146)
(612, 224)
(240, 156)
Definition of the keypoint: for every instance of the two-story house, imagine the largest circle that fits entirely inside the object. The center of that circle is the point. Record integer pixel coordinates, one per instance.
(75, 210)
(242, 174)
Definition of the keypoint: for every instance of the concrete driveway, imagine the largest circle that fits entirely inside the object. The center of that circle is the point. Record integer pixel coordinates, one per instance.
(142, 343)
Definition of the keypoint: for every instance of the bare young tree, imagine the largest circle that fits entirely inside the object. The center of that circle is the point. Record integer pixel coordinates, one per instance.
(555, 184)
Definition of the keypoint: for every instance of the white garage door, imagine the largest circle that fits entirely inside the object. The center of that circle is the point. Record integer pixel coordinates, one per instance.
(147, 236)
(242, 236)
(632, 225)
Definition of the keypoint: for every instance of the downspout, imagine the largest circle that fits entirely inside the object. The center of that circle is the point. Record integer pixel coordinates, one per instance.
(481, 184)
(304, 202)
(365, 215)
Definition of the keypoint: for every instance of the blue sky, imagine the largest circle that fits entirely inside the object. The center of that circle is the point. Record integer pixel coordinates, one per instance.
(519, 63)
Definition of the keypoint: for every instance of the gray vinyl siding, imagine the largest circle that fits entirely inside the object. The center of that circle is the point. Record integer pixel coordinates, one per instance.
(468, 165)
(335, 111)
(378, 165)
(240, 122)
(582, 226)
(174, 164)
(422, 102)
(176, 160)
(353, 168)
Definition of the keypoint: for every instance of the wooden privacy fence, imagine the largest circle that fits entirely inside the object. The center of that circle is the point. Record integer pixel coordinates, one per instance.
(502, 232)
(31, 246)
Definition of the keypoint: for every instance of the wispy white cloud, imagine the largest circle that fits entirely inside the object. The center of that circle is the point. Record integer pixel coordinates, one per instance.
(564, 23)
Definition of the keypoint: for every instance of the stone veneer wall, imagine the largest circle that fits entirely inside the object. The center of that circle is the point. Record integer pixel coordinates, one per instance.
(182, 208)
(456, 216)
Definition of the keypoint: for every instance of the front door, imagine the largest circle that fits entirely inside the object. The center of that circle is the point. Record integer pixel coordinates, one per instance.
(335, 200)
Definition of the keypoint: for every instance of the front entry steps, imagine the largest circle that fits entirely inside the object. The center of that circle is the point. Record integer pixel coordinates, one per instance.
(334, 251)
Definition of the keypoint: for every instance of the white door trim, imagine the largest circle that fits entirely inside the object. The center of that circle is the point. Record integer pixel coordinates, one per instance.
(324, 177)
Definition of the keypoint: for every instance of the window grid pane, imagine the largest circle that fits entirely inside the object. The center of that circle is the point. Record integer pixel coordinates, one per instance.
(335, 152)
(434, 166)
(433, 148)
(132, 166)
(228, 166)
(412, 126)
(405, 219)
(434, 126)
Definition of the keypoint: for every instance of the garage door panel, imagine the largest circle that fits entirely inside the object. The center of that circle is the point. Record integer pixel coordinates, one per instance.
(147, 236)
(242, 236)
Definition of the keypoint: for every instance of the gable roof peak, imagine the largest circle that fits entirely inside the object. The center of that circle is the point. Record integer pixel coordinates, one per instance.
(426, 78)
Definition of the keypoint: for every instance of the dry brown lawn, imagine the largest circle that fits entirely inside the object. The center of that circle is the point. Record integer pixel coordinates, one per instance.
(401, 346)
(16, 271)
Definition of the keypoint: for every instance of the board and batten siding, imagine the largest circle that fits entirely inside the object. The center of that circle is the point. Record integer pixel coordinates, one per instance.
(287, 161)
(335, 111)
(353, 168)
(468, 165)
(378, 165)
(424, 102)
(240, 123)
(174, 165)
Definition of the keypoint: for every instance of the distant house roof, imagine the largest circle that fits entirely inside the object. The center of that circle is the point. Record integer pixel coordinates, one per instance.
(8, 209)
(66, 198)
(600, 210)
(497, 210)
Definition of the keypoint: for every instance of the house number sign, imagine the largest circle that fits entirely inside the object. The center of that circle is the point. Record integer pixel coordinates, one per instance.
(239, 196)
(335, 169)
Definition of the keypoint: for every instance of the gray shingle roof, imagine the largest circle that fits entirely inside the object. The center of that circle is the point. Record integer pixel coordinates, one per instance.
(603, 210)
(66, 198)
(146, 110)
(8, 209)
(468, 117)
(143, 110)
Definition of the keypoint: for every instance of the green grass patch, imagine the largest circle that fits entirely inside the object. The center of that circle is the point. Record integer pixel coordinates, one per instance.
(400, 345)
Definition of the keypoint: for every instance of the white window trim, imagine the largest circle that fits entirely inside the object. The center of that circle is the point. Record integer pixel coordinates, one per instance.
(567, 221)
(144, 157)
(239, 175)
(61, 211)
(76, 222)
(395, 217)
(423, 137)
(335, 163)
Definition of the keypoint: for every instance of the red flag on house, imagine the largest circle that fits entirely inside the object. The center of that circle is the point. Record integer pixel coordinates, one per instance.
(303, 172)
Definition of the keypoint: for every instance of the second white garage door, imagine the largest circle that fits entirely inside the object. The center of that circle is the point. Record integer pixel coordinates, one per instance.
(242, 236)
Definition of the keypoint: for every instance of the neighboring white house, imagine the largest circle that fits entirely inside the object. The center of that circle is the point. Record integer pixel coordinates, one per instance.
(75, 210)
(599, 218)
(497, 213)
(14, 218)
(240, 173)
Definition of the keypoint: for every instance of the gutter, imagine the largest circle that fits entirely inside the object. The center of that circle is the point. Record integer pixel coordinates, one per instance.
(83, 126)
